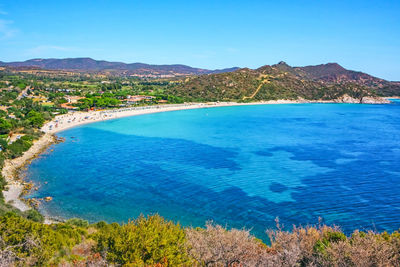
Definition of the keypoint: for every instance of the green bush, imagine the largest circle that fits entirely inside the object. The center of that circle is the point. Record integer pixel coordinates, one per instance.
(145, 241)
(35, 242)
(3, 113)
(5, 126)
(3, 144)
(329, 238)
(35, 118)
(2, 159)
(21, 145)
(2, 185)
(78, 222)
(34, 215)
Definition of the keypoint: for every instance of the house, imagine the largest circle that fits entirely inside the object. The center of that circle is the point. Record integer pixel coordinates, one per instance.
(140, 97)
(133, 99)
(68, 106)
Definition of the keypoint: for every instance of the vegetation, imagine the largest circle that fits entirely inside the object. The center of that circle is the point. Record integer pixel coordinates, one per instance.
(281, 81)
(34, 243)
(143, 242)
(153, 241)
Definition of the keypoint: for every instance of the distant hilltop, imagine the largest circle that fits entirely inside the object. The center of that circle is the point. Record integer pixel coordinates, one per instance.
(279, 81)
(116, 68)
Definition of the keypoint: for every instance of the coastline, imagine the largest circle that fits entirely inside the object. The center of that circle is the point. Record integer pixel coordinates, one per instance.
(74, 119)
(15, 185)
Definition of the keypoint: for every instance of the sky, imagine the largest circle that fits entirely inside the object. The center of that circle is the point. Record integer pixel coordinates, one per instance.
(359, 35)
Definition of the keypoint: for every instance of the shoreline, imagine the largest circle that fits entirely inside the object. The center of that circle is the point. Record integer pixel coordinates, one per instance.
(15, 185)
(75, 119)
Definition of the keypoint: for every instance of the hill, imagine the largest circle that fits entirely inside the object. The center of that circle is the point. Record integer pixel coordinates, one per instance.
(281, 81)
(118, 68)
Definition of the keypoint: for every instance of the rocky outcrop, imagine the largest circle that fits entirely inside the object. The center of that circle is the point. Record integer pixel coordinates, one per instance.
(374, 100)
(347, 99)
(364, 100)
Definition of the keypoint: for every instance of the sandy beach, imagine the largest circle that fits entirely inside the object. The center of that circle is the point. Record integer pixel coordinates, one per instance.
(15, 186)
(73, 119)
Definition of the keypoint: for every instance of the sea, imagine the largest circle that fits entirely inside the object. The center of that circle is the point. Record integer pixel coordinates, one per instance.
(240, 167)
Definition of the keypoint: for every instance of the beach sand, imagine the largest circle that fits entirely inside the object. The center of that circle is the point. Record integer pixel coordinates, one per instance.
(73, 119)
(11, 167)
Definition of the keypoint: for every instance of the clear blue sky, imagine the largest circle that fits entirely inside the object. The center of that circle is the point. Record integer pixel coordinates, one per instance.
(361, 35)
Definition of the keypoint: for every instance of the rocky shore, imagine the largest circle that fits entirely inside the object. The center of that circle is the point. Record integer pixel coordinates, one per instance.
(15, 186)
(362, 100)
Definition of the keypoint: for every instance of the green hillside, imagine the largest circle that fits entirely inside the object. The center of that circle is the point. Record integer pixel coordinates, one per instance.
(280, 81)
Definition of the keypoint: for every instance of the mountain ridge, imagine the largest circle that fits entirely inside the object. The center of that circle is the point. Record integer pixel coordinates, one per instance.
(329, 72)
(281, 81)
(89, 64)
(310, 82)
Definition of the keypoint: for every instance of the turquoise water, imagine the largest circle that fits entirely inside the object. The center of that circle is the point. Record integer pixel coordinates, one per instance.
(238, 166)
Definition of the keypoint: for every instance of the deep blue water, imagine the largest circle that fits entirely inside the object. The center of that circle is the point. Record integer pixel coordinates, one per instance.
(238, 166)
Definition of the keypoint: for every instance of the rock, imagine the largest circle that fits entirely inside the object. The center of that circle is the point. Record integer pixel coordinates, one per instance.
(374, 100)
(33, 202)
(347, 99)
(364, 100)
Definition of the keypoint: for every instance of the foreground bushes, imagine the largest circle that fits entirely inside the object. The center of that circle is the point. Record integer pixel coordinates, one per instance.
(216, 246)
(142, 242)
(153, 241)
(34, 243)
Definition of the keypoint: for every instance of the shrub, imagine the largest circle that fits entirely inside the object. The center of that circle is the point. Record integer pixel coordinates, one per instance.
(144, 241)
(3, 144)
(35, 118)
(217, 246)
(35, 243)
(329, 237)
(5, 126)
(328, 246)
(78, 222)
(34, 215)
(21, 145)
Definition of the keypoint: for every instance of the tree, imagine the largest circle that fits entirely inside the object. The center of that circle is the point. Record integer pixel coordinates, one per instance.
(3, 144)
(19, 146)
(35, 118)
(5, 126)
